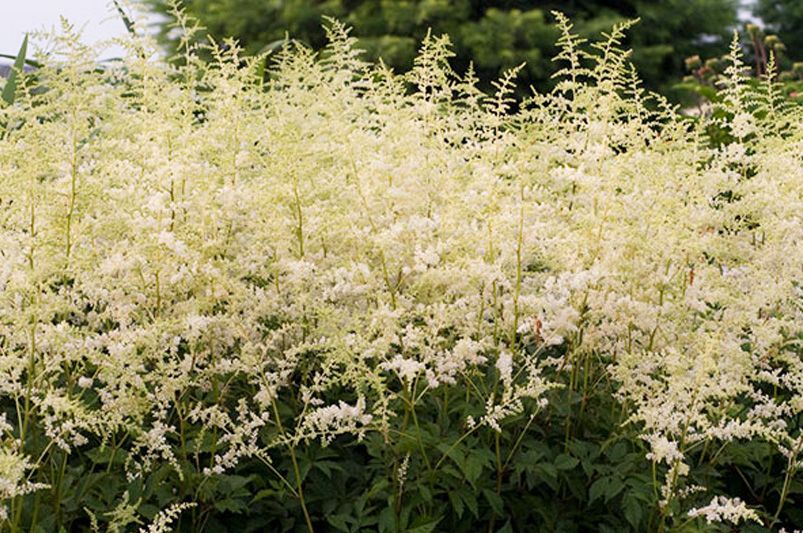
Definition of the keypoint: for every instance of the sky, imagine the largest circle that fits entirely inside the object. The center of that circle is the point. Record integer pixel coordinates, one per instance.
(97, 18)
(745, 11)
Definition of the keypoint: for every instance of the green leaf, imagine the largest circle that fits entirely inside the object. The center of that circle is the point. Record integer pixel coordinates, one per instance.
(633, 511)
(10, 90)
(548, 474)
(565, 462)
(471, 502)
(507, 528)
(381, 486)
(426, 494)
(340, 521)
(495, 501)
(457, 503)
(387, 520)
(452, 452)
(273, 46)
(29, 62)
(262, 63)
(597, 489)
(404, 516)
(429, 527)
(472, 468)
(230, 505)
(148, 511)
(578, 486)
(616, 452)
(615, 486)
(105, 455)
(230, 484)
(264, 494)
(327, 466)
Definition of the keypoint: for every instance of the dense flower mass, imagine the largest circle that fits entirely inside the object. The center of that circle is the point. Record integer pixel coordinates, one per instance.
(205, 267)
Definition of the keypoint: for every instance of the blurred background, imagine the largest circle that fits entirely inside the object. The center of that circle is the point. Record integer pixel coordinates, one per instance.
(675, 38)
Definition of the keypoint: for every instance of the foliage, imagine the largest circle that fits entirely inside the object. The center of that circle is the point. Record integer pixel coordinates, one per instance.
(785, 17)
(10, 87)
(346, 299)
(495, 35)
(769, 60)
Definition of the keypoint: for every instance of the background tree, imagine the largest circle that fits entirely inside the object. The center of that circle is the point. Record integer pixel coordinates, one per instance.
(494, 34)
(784, 17)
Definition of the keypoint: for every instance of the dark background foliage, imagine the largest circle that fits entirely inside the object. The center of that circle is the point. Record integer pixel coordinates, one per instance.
(785, 17)
(495, 35)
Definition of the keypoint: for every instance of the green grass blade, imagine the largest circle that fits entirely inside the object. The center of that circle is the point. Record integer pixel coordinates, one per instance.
(10, 90)
(29, 62)
(129, 25)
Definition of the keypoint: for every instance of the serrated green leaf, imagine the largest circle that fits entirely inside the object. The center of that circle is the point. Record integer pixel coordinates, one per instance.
(597, 489)
(426, 494)
(230, 505)
(404, 517)
(548, 470)
(387, 521)
(616, 452)
(471, 468)
(471, 502)
(565, 462)
(148, 511)
(495, 501)
(339, 522)
(326, 467)
(229, 484)
(429, 527)
(452, 452)
(377, 488)
(615, 486)
(457, 503)
(633, 511)
(264, 494)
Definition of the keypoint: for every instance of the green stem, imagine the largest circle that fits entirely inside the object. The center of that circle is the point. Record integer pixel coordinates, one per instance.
(675, 470)
(296, 470)
(790, 473)
(299, 220)
(418, 436)
(517, 290)
(73, 191)
(518, 442)
(498, 454)
(453, 446)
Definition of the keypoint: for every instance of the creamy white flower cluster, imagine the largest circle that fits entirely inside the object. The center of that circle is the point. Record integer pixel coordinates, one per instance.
(723, 509)
(14, 481)
(328, 422)
(188, 249)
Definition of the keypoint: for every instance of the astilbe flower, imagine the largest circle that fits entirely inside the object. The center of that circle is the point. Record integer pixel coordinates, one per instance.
(723, 509)
(190, 245)
(161, 524)
(332, 420)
